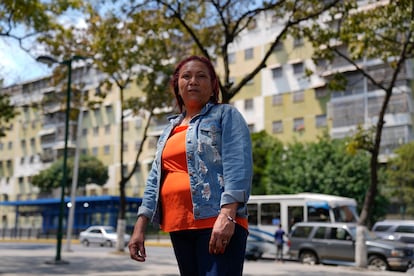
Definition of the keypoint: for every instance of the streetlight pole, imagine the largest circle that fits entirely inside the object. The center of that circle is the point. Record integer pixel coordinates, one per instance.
(75, 175)
(50, 60)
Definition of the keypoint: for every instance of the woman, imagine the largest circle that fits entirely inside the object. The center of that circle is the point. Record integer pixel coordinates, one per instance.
(200, 180)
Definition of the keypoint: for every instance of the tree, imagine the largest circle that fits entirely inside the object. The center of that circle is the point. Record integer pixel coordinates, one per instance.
(135, 49)
(7, 113)
(262, 144)
(400, 172)
(323, 166)
(382, 31)
(23, 21)
(213, 26)
(34, 16)
(91, 170)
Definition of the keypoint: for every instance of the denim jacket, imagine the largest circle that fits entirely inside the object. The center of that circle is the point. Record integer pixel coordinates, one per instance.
(219, 161)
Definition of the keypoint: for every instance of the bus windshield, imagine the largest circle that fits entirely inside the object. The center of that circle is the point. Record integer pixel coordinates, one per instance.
(345, 213)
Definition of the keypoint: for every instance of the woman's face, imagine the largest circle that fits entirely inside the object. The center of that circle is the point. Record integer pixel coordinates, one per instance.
(194, 85)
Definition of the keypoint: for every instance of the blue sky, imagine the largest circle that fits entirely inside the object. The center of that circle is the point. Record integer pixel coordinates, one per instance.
(16, 65)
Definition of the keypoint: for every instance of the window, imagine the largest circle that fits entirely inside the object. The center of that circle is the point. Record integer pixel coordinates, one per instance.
(137, 145)
(248, 104)
(96, 131)
(108, 129)
(95, 151)
(298, 68)
(277, 126)
(125, 149)
(298, 96)
(277, 72)
(382, 228)
(298, 124)
(278, 47)
(126, 125)
(108, 108)
(248, 54)
(269, 212)
(320, 121)
(295, 214)
(84, 151)
(302, 231)
(338, 234)
(252, 218)
(318, 213)
(84, 131)
(297, 42)
(405, 229)
(10, 145)
(98, 91)
(32, 142)
(277, 100)
(320, 233)
(232, 58)
(251, 128)
(107, 149)
(321, 92)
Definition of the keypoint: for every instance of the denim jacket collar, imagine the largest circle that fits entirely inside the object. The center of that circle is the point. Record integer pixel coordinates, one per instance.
(177, 118)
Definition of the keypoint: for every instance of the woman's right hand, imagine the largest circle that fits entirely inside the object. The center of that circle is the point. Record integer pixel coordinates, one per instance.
(136, 244)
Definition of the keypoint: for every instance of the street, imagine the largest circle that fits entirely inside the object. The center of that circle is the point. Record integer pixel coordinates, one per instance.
(34, 259)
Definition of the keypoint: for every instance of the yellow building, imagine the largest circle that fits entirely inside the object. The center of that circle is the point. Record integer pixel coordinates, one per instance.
(281, 99)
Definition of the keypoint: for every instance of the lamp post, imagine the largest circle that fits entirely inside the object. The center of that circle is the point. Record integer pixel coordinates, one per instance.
(49, 61)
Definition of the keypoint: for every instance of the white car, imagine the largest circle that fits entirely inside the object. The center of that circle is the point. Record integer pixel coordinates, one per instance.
(102, 235)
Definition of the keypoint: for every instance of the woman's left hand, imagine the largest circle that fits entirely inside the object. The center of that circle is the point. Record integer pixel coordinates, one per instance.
(223, 230)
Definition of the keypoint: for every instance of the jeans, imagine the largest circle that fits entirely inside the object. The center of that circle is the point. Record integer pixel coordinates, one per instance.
(279, 252)
(193, 258)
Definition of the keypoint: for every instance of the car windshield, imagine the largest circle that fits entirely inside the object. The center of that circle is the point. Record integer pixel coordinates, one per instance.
(368, 234)
(110, 230)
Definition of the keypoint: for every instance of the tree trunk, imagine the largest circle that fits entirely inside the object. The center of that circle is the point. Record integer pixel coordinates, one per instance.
(120, 232)
(360, 247)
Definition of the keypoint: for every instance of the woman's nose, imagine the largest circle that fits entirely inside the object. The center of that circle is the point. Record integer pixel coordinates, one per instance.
(193, 80)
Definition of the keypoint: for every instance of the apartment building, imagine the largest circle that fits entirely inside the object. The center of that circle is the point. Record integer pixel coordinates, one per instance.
(36, 139)
(280, 99)
(286, 103)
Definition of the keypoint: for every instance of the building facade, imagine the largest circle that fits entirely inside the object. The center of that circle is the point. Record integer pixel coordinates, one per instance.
(281, 99)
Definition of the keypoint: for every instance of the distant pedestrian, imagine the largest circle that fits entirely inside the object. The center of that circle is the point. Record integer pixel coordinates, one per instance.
(279, 240)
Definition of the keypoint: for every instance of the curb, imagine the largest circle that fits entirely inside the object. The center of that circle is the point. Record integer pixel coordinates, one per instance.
(150, 242)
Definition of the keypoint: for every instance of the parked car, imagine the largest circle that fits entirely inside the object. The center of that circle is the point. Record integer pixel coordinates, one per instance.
(102, 235)
(397, 230)
(334, 243)
(254, 251)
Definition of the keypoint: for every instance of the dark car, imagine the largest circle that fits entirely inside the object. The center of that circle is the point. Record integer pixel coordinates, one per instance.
(334, 243)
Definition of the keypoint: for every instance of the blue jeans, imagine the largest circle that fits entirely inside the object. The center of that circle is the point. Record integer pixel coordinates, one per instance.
(193, 258)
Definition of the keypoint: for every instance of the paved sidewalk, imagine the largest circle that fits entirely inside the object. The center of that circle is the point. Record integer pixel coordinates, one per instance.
(25, 258)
